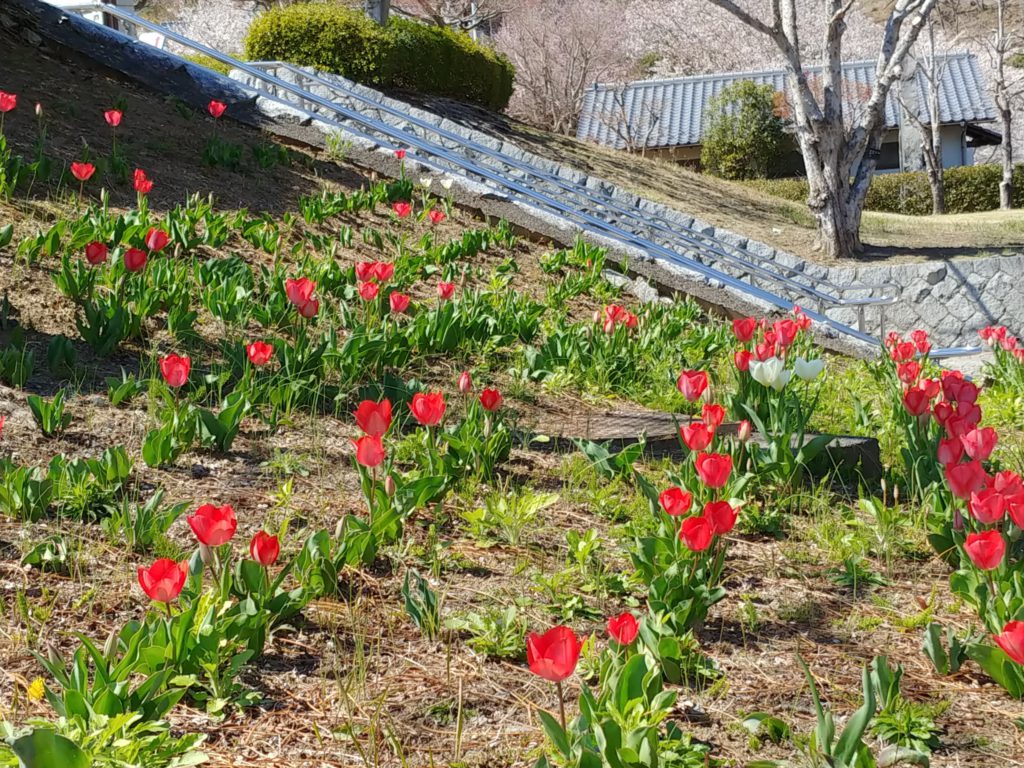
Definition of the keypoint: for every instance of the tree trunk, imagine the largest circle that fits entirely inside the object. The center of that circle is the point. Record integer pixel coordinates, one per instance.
(1006, 185)
(838, 218)
(935, 181)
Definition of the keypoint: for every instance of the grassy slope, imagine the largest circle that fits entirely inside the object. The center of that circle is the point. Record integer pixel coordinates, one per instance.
(359, 666)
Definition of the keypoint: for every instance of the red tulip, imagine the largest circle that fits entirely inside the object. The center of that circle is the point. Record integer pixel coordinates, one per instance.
(300, 294)
(964, 479)
(720, 516)
(383, 271)
(264, 549)
(369, 451)
(299, 290)
(950, 451)
(83, 171)
(930, 387)
(400, 154)
(491, 399)
(920, 339)
(113, 117)
(623, 628)
(365, 270)
(135, 259)
(368, 291)
(675, 501)
(259, 353)
(374, 418)
(436, 216)
(695, 533)
(979, 443)
(786, 331)
(987, 506)
(428, 408)
(142, 184)
(957, 389)
(554, 654)
(692, 384)
(1008, 483)
(943, 412)
(713, 468)
(743, 328)
(212, 525)
(399, 302)
(744, 431)
(401, 209)
(96, 253)
(3, 419)
(216, 108)
(763, 351)
(902, 352)
(713, 415)
(8, 101)
(1012, 640)
(742, 359)
(985, 549)
(175, 370)
(465, 383)
(445, 290)
(697, 435)
(916, 402)
(163, 580)
(908, 372)
(156, 240)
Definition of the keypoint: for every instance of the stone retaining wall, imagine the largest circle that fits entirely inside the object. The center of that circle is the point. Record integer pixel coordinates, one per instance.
(952, 298)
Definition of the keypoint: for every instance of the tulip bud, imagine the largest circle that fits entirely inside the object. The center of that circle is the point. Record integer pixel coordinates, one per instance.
(39, 109)
(958, 520)
(111, 645)
(597, 316)
(744, 431)
(389, 485)
(53, 657)
(487, 427)
(206, 554)
(609, 325)
(339, 529)
(465, 383)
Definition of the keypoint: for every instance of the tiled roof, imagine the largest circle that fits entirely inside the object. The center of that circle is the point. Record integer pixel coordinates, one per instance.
(670, 113)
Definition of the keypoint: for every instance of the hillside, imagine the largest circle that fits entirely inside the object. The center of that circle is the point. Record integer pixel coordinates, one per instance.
(255, 562)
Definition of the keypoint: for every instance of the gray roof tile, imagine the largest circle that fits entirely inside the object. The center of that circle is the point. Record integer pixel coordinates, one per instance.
(669, 113)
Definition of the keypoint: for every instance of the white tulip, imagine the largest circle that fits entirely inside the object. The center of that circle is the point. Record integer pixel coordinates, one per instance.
(426, 181)
(770, 373)
(447, 182)
(808, 369)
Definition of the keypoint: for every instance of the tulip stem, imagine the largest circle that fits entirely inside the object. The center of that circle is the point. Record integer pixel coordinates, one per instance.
(561, 703)
(373, 492)
(167, 607)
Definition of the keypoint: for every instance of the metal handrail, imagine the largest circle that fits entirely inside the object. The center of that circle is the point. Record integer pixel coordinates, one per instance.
(441, 159)
(671, 229)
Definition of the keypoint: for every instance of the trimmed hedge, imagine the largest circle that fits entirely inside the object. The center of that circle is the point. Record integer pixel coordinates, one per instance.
(403, 55)
(969, 189)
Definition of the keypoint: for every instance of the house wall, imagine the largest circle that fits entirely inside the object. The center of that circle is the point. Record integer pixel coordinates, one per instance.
(954, 153)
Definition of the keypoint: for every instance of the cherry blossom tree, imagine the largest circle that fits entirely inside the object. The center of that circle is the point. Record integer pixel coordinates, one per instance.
(560, 48)
(840, 154)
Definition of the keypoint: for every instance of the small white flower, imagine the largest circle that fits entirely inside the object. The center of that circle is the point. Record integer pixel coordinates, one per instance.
(426, 181)
(447, 182)
(770, 373)
(808, 369)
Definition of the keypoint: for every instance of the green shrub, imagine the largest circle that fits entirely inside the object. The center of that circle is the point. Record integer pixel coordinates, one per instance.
(969, 189)
(403, 55)
(743, 135)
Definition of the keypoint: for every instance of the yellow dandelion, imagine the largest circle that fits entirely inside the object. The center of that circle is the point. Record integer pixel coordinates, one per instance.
(36, 690)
